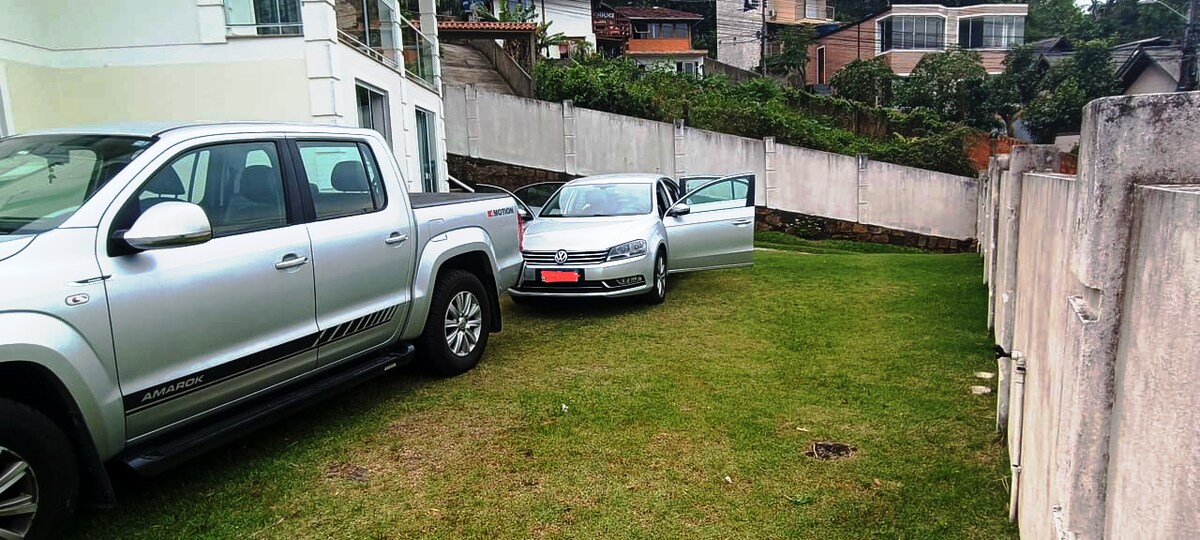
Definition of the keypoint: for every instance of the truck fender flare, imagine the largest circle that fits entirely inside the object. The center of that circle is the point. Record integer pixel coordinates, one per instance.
(84, 385)
(435, 254)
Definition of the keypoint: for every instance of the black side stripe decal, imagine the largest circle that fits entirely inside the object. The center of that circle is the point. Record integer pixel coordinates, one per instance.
(156, 395)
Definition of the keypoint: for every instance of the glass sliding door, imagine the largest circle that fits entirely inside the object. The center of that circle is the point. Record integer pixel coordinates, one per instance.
(427, 150)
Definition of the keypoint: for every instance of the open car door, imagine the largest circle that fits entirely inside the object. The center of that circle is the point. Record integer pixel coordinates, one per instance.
(712, 226)
(693, 181)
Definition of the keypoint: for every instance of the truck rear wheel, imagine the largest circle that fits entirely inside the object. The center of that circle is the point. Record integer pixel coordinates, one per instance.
(39, 479)
(456, 330)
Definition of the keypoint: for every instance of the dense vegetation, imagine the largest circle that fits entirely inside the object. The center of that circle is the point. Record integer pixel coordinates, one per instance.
(756, 109)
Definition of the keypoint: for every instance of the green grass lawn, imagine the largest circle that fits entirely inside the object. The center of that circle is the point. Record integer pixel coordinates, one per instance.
(616, 420)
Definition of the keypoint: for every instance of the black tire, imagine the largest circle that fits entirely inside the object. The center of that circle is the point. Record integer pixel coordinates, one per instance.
(52, 476)
(658, 287)
(436, 352)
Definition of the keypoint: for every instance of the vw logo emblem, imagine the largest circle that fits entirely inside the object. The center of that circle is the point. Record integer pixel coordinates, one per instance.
(560, 257)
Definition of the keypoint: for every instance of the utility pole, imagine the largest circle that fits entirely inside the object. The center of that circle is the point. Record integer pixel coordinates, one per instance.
(1191, 42)
(762, 39)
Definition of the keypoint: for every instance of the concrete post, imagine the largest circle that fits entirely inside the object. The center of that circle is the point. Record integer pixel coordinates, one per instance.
(473, 127)
(861, 193)
(570, 160)
(320, 37)
(1128, 140)
(1025, 158)
(680, 149)
(769, 182)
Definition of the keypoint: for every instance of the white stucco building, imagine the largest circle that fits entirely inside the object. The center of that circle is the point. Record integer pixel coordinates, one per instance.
(343, 62)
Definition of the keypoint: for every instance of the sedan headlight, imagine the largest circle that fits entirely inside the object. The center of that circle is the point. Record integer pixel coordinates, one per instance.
(628, 250)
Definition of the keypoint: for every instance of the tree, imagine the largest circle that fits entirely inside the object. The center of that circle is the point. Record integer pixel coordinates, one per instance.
(949, 84)
(792, 60)
(1066, 88)
(865, 81)
(512, 12)
(1053, 18)
(1007, 93)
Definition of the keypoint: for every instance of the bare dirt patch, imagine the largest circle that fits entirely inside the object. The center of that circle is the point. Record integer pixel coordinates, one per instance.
(827, 451)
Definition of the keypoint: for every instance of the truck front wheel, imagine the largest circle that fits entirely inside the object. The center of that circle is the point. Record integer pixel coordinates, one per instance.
(456, 330)
(39, 482)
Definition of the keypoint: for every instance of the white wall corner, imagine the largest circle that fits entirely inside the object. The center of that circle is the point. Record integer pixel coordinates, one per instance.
(320, 20)
(210, 16)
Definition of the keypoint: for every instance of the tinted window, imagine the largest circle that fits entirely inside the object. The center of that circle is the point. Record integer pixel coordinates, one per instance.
(537, 194)
(239, 186)
(724, 194)
(342, 178)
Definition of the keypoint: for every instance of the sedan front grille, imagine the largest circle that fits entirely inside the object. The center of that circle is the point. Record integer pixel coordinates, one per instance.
(574, 258)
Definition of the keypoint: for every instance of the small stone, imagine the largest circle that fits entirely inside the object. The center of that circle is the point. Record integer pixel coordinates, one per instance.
(984, 375)
(728, 480)
(980, 390)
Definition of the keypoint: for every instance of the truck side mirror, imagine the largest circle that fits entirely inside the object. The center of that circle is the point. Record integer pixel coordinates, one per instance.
(169, 224)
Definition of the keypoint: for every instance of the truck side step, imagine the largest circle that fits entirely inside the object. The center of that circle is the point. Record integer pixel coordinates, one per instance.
(160, 454)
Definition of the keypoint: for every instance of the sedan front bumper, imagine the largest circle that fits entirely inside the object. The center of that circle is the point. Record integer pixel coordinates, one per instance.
(611, 279)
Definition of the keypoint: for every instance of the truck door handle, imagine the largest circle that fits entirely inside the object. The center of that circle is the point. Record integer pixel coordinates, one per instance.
(741, 222)
(395, 238)
(291, 261)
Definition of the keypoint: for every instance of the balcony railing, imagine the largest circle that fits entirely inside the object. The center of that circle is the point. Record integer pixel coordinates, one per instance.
(418, 54)
(375, 29)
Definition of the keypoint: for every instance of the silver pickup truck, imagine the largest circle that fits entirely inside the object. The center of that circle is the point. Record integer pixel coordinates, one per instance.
(166, 288)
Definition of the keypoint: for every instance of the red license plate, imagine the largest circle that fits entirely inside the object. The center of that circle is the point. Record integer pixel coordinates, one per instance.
(560, 276)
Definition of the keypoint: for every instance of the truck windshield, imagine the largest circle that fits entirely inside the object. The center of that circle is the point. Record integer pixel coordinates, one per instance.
(46, 178)
(600, 200)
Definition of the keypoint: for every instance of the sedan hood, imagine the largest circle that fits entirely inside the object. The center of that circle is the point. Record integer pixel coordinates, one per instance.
(585, 234)
(11, 245)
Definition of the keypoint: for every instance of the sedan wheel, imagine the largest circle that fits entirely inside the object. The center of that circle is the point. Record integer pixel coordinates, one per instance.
(658, 293)
(18, 495)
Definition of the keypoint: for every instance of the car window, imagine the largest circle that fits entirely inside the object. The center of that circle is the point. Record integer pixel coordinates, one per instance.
(600, 200)
(537, 194)
(238, 185)
(342, 177)
(730, 193)
(664, 198)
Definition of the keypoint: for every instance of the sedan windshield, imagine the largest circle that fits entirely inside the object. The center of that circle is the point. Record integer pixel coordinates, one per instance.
(46, 178)
(600, 200)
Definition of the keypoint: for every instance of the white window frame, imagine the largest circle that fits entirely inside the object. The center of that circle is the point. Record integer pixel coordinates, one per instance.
(386, 113)
(879, 32)
(958, 23)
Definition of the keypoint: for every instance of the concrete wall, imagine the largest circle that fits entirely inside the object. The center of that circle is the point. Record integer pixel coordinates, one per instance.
(1103, 296)
(607, 143)
(562, 138)
(917, 200)
(1152, 475)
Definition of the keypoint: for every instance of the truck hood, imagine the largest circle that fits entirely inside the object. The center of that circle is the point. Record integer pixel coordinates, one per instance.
(12, 244)
(585, 234)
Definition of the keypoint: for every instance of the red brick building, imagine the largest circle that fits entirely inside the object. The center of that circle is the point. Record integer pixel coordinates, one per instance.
(904, 34)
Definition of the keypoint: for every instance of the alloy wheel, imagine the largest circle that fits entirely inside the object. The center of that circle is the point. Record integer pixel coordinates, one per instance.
(18, 496)
(660, 280)
(464, 323)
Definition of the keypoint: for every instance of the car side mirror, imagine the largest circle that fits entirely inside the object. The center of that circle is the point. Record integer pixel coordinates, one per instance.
(526, 215)
(169, 224)
(680, 209)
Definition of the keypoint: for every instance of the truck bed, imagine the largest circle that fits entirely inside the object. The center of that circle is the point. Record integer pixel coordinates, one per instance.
(428, 200)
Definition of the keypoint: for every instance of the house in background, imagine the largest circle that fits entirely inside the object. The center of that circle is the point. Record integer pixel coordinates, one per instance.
(904, 34)
(652, 36)
(342, 62)
(739, 23)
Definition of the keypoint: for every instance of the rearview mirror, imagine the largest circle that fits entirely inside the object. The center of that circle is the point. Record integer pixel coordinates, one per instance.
(169, 224)
(680, 209)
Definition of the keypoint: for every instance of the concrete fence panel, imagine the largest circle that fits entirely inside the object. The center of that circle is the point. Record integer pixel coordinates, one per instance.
(816, 183)
(717, 153)
(521, 131)
(1152, 475)
(454, 100)
(918, 200)
(612, 143)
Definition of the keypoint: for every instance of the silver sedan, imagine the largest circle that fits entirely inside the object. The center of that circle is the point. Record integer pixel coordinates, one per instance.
(622, 234)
